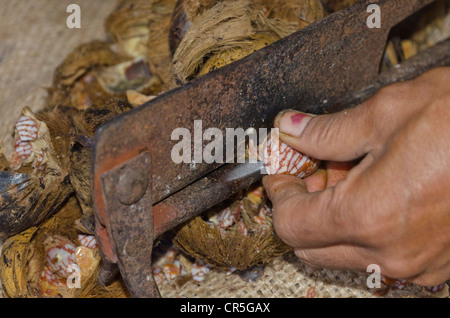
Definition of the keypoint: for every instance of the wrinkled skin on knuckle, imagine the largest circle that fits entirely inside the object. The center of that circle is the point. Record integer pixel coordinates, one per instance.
(339, 207)
(286, 219)
(294, 224)
(387, 110)
(283, 227)
(284, 210)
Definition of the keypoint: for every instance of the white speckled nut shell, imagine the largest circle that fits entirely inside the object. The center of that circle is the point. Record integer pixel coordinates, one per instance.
(279, 158)
(60, 255)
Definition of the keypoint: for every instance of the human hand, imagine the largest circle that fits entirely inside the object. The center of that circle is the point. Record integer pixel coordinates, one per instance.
(393, 207)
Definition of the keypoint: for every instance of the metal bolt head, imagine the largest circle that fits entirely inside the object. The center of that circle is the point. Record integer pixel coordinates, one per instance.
(132, 186)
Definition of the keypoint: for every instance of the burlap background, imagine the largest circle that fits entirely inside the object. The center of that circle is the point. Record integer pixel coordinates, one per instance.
(34, 39)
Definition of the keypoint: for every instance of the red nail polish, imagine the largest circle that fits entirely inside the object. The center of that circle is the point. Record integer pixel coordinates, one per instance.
(297, 118)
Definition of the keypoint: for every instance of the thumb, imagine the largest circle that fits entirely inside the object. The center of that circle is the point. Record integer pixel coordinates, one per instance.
(342, 136)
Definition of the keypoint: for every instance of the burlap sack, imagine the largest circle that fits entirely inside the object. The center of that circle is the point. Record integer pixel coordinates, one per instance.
(34, 39)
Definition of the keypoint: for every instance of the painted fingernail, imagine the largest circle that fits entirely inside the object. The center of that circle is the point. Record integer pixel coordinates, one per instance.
(292, 122)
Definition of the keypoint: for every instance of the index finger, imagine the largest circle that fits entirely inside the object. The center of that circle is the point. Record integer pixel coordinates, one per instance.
(302, 219)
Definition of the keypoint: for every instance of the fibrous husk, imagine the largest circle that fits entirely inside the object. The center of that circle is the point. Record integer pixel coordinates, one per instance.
(337, 5)
(128, 26)
(99, 76)
(83, 126)
(233, 250)
(230, 26)
(24, 259)
(62, 228)
(245, 241)
(28, 202)
(14, 258)
(225, 57)
(300, 13)
(195, 8)
(35, 183)
(158, 55)
(141, 29)
(73, 84)
(135, 57)
(184, 14)
(85, 57)
(297, 13)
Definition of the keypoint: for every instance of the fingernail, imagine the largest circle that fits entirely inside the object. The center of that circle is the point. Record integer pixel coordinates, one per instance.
(291, 122)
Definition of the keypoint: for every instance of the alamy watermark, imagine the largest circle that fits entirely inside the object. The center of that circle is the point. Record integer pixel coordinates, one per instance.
(74, 279)
(211, 146)
(374, 19)
(74, 19)
(374, 279)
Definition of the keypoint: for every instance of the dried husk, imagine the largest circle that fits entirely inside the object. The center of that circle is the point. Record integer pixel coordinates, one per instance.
(195, 8)
(184, 14)
(159, 56)
(30, 202)
(299, 13)
(34, 189)
(225, 57)
(13, 264)
(136, 56)
(337, 5)
(230, 26)
(231, 248)
(70, 86)
(28, 249)
(63, 225)
(141, 30)
(31, 193)
(128, 25)
(23, 259)
(83, 58)
(83, 126)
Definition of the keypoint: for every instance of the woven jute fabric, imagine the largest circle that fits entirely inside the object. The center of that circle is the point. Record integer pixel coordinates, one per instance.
(287, 277)
(34, 39)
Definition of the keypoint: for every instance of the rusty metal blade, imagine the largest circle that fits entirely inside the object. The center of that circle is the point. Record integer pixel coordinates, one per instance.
(205, 193)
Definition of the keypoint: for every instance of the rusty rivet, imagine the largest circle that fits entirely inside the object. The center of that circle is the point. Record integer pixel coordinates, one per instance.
(132, 186)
